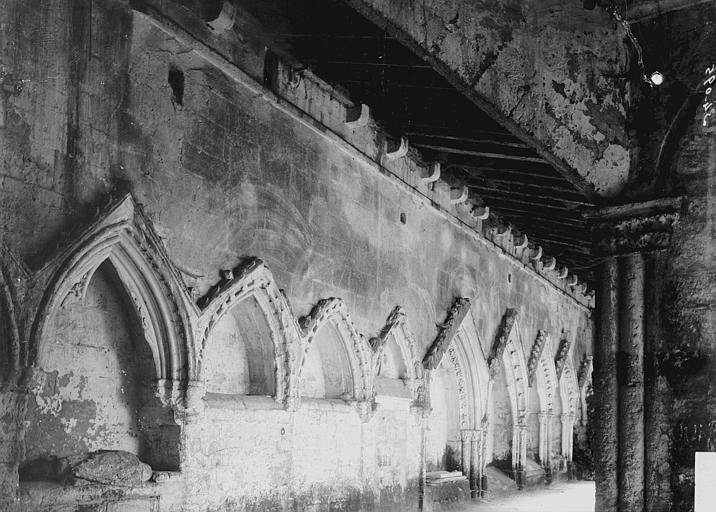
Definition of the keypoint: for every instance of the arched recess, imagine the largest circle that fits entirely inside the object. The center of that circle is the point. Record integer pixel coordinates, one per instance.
(507, 358)
(456, 360)
(247, 316)
(546, 383)
(336, 360)
(570, 398)
(121, 262)
(125, 238)
(397, 369)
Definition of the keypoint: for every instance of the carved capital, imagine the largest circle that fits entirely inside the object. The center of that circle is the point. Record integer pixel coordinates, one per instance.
(634, 227)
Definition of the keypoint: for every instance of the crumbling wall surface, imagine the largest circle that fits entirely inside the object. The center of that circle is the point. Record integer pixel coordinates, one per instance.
(678, 157)
(105, 100)
(553, 68)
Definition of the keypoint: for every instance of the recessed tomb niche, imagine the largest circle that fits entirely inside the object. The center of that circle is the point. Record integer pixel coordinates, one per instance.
(95, 388)
(502, 422)
(444, 444)
(239, 357)
(327, 369)
(391, 370)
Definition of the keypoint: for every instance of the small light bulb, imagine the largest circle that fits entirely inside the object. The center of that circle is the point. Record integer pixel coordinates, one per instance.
(656, 78)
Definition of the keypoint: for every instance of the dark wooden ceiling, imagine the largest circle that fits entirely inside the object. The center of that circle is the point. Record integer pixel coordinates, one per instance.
(408, 97)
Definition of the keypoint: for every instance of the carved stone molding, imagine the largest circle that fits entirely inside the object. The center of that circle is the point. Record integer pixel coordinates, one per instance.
(358, 349)
(396, 326)
(507, 352)
(503, 335)
(535, 355)
(562, 354)
(123, 236)
(463, 404)
(584, 374)
(254, 279)
(634, 227)
(569, 390)
(447, 331)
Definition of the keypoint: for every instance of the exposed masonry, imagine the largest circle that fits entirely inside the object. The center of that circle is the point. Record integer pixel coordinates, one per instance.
(308, 97)
(171, 322)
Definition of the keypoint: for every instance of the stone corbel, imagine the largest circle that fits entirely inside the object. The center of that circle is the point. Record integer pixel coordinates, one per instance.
(572, 281)
(481, 213)
(433, 175)
(225, 20)
(506, 232)
(563, 273)
(550, 263)
(537, 255)
(523, 243)
(458, 195)
(395, 151)
(357, 116)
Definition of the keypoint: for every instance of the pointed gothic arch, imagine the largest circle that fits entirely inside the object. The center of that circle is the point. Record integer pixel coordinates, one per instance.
(545, 379)
(507, 353)
(570, 397)
(396, 346)
(125, 238)
(253, 281)
(458, 348)
(347, 350)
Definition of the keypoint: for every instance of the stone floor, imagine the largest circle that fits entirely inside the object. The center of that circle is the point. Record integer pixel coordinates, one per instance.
(558, 497)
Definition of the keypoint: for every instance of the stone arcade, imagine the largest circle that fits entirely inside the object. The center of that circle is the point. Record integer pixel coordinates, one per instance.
(354, 254)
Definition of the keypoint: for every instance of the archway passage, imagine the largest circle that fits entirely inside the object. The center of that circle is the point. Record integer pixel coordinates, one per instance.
(95, 384)
(239, 356)
(327, 369)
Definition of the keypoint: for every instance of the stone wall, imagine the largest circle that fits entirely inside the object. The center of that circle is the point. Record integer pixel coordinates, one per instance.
(222, 169)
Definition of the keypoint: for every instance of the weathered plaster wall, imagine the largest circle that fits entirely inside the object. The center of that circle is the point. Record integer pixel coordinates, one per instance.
(553, 68)
(677, 156)
(224, 174)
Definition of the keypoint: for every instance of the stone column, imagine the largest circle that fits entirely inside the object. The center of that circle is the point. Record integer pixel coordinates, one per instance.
(475, 473)
(624, 234)
(657, 392)
(544, 439)
(465, 451)
(631, 385)
(567, 436)
(605, 381)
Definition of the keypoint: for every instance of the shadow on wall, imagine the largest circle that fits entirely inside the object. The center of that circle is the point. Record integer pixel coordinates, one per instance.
(95, 386)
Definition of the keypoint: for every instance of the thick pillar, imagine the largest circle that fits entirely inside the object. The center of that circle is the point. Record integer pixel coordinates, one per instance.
(605, 386)
(657, 392)
(631, 385)
(628, 236)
